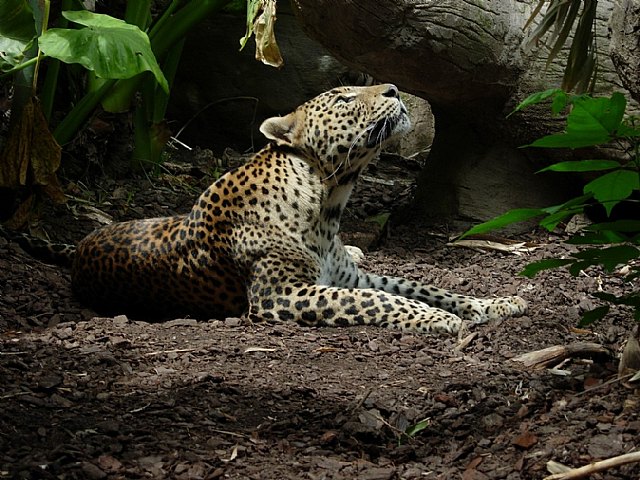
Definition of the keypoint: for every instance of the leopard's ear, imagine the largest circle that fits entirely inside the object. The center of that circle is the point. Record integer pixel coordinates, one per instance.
(283, 130)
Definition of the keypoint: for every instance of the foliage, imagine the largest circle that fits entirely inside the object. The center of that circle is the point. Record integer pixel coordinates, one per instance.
(122, 59)
(109, 47)
(557, 22)
(590, 122)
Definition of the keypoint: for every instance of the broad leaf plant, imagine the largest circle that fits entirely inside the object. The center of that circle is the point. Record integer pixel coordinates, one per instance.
(591, 121)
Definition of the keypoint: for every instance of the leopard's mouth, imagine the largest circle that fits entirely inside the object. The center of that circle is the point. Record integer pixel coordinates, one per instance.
(385, 128)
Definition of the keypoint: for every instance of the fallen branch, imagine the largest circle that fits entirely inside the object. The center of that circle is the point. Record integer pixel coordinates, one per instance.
(488, 242)
(596, 467)
(552, 355)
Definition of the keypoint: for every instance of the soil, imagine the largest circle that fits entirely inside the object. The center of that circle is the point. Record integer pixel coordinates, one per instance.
(83, 396)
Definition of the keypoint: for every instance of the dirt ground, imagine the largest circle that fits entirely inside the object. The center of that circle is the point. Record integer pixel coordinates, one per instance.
(87, 397)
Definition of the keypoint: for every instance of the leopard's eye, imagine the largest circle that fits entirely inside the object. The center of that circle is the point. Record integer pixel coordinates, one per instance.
(344, 99)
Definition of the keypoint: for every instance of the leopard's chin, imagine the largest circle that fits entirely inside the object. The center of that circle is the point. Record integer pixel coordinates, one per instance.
(386, 128)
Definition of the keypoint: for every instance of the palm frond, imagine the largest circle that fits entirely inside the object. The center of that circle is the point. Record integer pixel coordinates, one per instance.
(556, 25)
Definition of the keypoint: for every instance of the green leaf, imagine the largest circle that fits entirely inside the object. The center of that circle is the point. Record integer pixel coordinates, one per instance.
(533, 268)
(381, 219)
(11, 53)
(610, 257)
(593, 315)
(412, 430)
(610, 188)
(253, 7)
(569, 205)
(552, 221)
(627, 131)
(16, 21)
(578, 266)
(512, 216)
(559, 103)
(592, 121)
(616, 226)
(541, 97)
(109, 47)
(17, 31)
(632, 299)
(603, 237)
(610, 112)
(581, 166)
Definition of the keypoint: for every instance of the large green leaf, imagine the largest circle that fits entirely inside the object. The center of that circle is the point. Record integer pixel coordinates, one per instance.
(109, 47)
(616, 226)
(610, 257)
(512, 216)
(581, 166)
(603, 237)
(592, 121)
(553, 219)
(593, 315)
(631, 299)
(613, 187)
(608, 111)
(533, 268)
(16, 20)
(17, 31)
(559, 213)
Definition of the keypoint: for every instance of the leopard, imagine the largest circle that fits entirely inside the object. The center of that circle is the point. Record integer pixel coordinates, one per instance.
(263, 240)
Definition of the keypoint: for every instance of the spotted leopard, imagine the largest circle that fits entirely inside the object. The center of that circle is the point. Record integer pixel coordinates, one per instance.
(263, 238)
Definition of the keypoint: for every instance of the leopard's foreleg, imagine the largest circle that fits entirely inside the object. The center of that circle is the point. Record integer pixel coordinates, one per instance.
(284, 290)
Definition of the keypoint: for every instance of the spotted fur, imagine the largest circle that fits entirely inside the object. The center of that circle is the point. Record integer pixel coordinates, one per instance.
(263, 238)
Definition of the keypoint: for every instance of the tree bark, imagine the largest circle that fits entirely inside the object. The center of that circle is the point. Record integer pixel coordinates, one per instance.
(450, 51)
(625, 44)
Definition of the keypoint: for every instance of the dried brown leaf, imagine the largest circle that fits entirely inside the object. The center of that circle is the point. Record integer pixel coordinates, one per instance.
(31, 155)
(267, 50)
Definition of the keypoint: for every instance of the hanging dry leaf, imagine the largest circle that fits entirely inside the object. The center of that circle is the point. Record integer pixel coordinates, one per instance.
(31, 155)
(267, 50)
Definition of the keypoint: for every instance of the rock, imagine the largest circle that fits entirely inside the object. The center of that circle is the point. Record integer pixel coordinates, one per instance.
(92, 472)
(605, 446)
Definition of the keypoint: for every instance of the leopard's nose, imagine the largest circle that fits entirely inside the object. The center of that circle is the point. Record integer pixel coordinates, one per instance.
(391, 91)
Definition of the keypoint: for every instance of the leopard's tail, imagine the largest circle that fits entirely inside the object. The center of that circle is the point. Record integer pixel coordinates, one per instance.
(49, 252)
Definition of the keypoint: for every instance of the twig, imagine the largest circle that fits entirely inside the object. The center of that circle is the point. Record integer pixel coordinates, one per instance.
(464, 343)
(226, 432)
(12, 395)
(603, 384)
(361, 402)
(596, 467)
(177, 350)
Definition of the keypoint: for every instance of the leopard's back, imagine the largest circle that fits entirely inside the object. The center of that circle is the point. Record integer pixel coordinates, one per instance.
(153, 268)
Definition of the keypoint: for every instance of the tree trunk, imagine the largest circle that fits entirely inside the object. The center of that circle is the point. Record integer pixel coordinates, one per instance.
(472, 62)
(625, 44)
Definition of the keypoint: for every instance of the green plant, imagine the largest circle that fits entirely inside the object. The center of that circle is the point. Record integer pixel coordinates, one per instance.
(591, 122)
(119, 54)
(412, 430)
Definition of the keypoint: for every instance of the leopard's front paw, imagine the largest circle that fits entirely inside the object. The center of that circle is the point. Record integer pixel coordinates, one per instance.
(484, 310)
(443, 322)
(356, 254)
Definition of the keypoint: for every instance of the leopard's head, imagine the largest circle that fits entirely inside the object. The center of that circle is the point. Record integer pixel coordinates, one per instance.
(341, 130)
